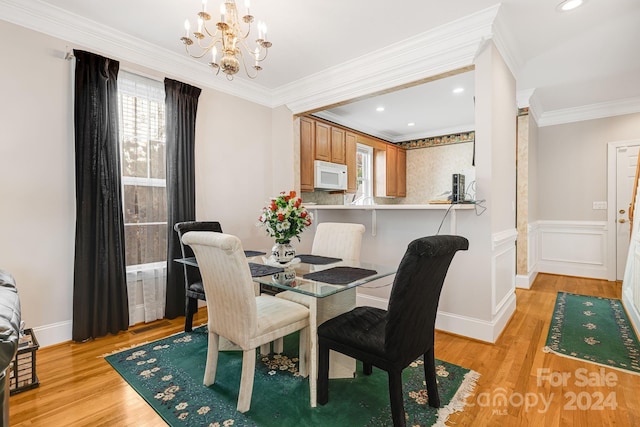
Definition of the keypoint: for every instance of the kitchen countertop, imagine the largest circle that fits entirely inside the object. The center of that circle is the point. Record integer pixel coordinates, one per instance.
(435, 206)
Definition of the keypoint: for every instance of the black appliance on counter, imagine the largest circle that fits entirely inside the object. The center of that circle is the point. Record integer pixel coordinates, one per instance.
(457, 188)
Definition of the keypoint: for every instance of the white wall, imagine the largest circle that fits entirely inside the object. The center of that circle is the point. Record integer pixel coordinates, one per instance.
(494, 231)
(237, 170)
(37, 223)
(572, 161)
(568, 236)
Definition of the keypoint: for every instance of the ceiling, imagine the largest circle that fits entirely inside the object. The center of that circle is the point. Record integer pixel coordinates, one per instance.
(568, 66)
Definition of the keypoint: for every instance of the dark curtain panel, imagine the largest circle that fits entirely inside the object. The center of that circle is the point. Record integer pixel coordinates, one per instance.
(181, 103)
(100, 304)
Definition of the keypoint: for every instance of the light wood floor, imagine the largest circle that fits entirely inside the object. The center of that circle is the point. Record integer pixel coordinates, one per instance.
(78, 388)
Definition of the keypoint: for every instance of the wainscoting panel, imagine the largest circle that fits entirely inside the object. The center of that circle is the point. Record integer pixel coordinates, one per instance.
(503, 269)
(573, 248)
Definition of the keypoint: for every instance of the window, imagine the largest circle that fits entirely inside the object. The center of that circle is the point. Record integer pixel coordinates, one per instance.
(142, 143)
(364, 175)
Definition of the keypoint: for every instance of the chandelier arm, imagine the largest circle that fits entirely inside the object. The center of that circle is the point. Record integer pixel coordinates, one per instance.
(206, 30)
(207, 47)
(246, 69)
(205, 51)
(263, 50)
(266, 52)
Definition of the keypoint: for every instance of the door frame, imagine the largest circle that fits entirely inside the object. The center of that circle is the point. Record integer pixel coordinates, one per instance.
(612, 149)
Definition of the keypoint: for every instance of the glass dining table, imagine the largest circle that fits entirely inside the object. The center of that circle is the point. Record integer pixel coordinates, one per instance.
(330, 286)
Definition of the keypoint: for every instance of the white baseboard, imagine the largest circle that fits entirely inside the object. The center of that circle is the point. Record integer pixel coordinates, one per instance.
(524, 281)
(456, 324)
(55, 333)
(481, 330)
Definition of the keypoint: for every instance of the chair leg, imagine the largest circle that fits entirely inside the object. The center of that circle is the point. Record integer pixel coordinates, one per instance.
(191, 306)
(278, 345)
(396, 399)
(367, 368)
(246, 380)
(303, 352)
(265, 349)
(212, 359)
(430, 378)
(323, 374)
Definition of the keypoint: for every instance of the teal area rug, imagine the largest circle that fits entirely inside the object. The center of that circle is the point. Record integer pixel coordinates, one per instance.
(168, 375)
(593, 329)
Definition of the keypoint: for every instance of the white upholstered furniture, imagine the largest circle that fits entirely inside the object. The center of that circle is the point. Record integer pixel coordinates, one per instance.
(236, 313)
(332, 239)
(335, 240)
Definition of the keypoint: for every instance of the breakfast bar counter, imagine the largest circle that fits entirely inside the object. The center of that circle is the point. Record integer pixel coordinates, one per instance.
(443, 209)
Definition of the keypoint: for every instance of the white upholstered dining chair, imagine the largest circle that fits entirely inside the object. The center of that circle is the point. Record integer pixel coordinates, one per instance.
(236, 313)
(336, 240)
(332, 239)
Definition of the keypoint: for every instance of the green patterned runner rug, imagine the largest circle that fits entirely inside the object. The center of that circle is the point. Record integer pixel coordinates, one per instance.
(168, 375)
(593, 329)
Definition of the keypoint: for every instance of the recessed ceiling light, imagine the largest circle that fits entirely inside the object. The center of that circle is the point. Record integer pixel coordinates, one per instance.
(380, 109)
(411, 124)
(458, 90)
(568, 5)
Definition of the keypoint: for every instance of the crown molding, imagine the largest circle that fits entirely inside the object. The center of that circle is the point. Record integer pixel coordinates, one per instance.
(589, 112)
(501, 38)
(523, 97)
(91, 35)
(443, 49)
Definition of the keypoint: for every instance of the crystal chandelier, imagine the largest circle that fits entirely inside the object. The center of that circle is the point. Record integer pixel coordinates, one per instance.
(229, 39)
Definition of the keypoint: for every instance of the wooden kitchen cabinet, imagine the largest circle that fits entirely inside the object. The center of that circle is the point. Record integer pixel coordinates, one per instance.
(307, 153)
(338, 145)
(390, 172)
(329, 143)
(401, 172)
(322, 142)
(350, 159)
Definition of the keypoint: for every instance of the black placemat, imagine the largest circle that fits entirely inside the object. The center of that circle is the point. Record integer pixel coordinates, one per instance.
(340, 275)
(259, 270)
(317, 259)
(249, 254)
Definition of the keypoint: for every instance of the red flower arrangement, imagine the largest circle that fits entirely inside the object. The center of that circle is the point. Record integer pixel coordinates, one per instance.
(285, 217)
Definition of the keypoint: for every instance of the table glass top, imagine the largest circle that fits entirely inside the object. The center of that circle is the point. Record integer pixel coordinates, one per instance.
(324, 279)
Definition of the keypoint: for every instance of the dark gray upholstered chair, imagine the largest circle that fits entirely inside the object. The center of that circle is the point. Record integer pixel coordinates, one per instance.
(194, 290)
(392, 339)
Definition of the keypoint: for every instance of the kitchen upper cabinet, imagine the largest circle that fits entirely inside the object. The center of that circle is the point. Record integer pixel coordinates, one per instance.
(350, 159)
(330, 143)
(338, 145)
(323, 142)
(307, 149)
(401, 172)
(390, 172)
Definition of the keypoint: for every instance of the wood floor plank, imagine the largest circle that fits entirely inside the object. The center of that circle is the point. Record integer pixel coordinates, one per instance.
(79, 388)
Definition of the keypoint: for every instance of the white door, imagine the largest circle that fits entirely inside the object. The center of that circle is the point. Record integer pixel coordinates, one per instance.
(626, 161)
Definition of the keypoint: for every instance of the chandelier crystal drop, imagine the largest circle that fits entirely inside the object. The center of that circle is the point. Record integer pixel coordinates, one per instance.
(228, 44)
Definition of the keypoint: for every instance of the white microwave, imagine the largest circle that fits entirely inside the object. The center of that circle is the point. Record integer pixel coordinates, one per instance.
(330, 176)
